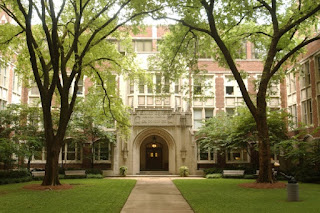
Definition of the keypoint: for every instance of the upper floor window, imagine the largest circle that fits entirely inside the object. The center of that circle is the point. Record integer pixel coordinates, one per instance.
(318, 66)
(242, 51)
(3, 76)
(143, 45)
(293, 113)
(307, 112)
(291, 83)
(305, 80)
(80, 87)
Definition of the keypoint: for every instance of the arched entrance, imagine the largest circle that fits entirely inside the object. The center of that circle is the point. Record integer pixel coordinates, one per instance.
(139, 150)
(154, 154)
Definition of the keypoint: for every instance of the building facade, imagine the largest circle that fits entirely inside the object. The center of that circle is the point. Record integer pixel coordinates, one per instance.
(164, 119)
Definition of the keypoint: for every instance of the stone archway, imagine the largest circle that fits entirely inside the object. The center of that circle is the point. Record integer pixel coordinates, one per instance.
(143, 139)
(154, 154)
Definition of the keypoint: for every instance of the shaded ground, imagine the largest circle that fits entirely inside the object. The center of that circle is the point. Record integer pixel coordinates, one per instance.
(45, 188)
(277, 185)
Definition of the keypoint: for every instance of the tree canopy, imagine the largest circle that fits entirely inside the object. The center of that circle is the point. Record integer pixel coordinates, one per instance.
(279, 29)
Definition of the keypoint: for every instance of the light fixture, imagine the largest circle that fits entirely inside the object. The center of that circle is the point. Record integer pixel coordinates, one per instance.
(154, 145)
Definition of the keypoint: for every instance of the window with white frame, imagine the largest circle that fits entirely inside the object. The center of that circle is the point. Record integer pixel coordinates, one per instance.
(206, 154)
(71, 152)
(141, 85)
(305, 77)
(197, 118)
(237, 156)
(40, 154)
(197, 87)
(101, 151)
(80, 91)
(177, 86)
(307, 112)
(293, 115)
(200, 115)
(143, 45)
(318, 84)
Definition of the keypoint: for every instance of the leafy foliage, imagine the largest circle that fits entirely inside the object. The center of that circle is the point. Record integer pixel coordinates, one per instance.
(239, 131)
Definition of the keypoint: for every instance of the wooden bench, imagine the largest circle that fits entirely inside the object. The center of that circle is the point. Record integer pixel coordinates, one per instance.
(233, 173)
(38, 173)
(75, 173)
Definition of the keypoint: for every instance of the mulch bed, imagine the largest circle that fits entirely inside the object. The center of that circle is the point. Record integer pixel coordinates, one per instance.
(276, 185)
(47, 188)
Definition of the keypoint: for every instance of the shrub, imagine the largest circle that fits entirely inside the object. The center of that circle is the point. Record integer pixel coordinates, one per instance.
(184, 171)
(15, 180)
(94, 171)
(95, 176)
(123, 171)
(250, 177)
(14, 174)
(215, 175)
(212, 170)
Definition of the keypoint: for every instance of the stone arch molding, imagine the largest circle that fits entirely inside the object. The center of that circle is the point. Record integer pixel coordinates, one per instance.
(141, 136)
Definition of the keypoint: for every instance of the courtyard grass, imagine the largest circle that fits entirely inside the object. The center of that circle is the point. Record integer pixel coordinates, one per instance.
(224, 195)
(87, 195)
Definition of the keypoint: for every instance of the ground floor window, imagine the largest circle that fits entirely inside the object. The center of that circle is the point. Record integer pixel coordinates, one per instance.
(101, 151)
(206, 154)
(237, 156)
(40, 154)
(71, 151)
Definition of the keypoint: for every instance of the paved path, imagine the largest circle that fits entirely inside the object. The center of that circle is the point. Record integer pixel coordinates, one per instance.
(156, 194)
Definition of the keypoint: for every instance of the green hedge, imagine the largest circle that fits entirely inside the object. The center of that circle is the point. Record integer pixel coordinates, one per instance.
(94, 171)
(14, 174)
(213, 176)
(15, 180)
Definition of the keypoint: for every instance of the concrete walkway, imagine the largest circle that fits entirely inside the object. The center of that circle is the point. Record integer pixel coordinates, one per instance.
(155, 194)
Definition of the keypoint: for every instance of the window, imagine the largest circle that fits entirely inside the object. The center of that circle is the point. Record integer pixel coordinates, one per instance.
(208, 113)
(291, 83)
(131, 87)
(143, 45)
(102, 151)
(176, 87)
(80, 87)
(307, 112)
(141, 85)
(197, 118)
(305, 80)
(318, 63)
(229, 90)
(158, 83)
(3, 76)
(237, 155)
(230, 111)
(293, 113)
(206, 154)
(40, 154)
(197, 86)
(166, 88)
(242, 51)
(71, 151)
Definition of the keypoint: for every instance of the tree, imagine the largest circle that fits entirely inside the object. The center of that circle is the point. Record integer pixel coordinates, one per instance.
(69, 42)
(278, 28)
(240, 131)
(20, 133)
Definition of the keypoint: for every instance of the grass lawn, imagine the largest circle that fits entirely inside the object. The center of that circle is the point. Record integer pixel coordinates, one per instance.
(87, 195)
(224, 195)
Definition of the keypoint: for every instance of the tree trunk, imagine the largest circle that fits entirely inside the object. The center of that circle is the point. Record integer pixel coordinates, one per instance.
(265, 168)
(51, 177)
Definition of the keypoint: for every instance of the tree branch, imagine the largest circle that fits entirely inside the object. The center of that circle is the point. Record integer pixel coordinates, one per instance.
(291, 52)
